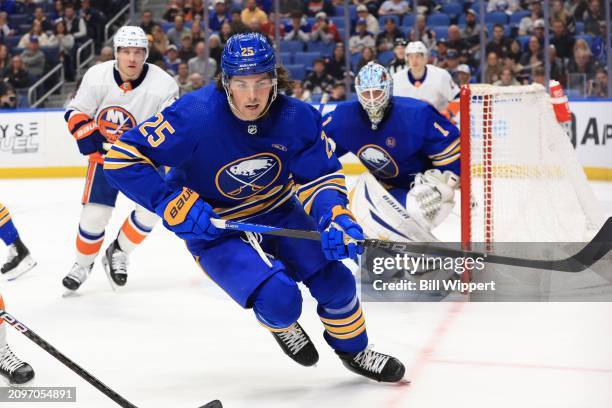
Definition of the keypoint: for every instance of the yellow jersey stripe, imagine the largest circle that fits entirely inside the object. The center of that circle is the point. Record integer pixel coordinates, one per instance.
(349, 335)
(446, 161)
(346, 320)
(345, 329)
(446, 150)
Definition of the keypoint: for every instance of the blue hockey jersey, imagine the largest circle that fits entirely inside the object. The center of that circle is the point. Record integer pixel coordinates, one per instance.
(412, 138)
(242, 169)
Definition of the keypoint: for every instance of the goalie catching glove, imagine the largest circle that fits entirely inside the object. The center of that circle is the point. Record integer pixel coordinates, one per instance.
(432, 197)
(87, 134)
(188, 216)
(340, 235)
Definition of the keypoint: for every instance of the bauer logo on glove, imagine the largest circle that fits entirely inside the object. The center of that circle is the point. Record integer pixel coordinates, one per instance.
(177, 209)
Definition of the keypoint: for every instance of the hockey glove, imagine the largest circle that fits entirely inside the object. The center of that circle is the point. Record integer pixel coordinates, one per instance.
(188, 216)
(87, 134)
(432, 197)
(340, 235)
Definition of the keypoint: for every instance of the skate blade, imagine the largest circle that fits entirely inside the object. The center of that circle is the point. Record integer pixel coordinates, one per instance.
(25, 266)
(106, 268)
(70, 293)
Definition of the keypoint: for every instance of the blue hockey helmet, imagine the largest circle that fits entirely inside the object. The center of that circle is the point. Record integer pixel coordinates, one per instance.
(374, 88)
(247, 54)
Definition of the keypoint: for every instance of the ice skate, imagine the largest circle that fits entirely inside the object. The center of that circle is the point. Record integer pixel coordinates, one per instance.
(18, 262)
(374, 365)
(296, 344)
(17, 372)
(115, 263)
(77, 275)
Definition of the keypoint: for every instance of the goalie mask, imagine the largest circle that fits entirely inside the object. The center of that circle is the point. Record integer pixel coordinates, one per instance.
(374, 87)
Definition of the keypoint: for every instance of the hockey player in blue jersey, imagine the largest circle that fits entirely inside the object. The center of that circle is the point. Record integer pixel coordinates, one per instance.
(238, 151)
(410, 150)
(19, 260)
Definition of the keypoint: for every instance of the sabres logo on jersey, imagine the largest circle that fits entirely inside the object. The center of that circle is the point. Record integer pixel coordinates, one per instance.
(114, 120)
(248, 176)
(378, 161)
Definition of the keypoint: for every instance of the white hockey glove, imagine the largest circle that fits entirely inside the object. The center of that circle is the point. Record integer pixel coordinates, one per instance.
(432, 197)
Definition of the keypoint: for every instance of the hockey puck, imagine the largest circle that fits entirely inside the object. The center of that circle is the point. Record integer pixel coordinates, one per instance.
(213, 404)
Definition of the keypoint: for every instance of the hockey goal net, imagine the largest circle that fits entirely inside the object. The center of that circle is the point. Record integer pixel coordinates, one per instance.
(520, 178)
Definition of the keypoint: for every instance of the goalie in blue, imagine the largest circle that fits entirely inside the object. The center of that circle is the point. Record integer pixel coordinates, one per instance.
(411, 152)
(239, 150)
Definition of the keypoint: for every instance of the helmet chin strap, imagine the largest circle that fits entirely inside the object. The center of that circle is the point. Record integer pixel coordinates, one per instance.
(230, 100)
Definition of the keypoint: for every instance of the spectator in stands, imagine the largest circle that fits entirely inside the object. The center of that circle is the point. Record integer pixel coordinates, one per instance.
(58, 10)
(318, 81)
(176, 33)
(583, 63)
(561, 39)
(514, 53)
(505, 6)
(196, 81)
(506, 78)
(215, 49)
(526, 23)
(598, 88)
(538, 76)
(299, 92)
(533, 57)
(455, 42)
(5, 58)
(337, 94)
(196, 31)
(236, 23)
(493, 68)
(371, 21)
(471, 31)
(335, 65)
(74, 25)
(182, 79)
(439, 57)
(45, 23)
(499, 44)
(557, 66)
(65, 41)
(463, 75)
(33, 58)
(172, 10)
(297, 29)
(269, 27)
(394, 7)
(368, 54)
(155, 55)
(198, 63)
(577, 8)
(452, 61)
(538, 30)
(106, 54)
(592, 18)
(146, 22)
(5, 30)
(94, 22)
(171, 60)
(362, 38)
(254, 26)
(16, 74)
(324, 29)
(225, 33)
(423, 33)
(399, 62)
(559, 12)
(8, 97)
(386, 39)
(218, 16)
(196, 10)
(313, 7)
(35, 31)
(159, 39)
(251, 11)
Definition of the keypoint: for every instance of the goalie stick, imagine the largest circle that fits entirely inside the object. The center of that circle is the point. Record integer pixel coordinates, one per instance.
(80, 371)
(596, 249)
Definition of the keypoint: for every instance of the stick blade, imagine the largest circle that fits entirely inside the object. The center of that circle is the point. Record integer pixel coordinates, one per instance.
(213, 404)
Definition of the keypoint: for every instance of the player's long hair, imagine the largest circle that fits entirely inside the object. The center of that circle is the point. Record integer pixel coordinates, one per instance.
(282, 78)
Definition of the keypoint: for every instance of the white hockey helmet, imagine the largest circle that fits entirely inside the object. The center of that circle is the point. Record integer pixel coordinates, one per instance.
(131, 36)
(416, 47)
(374, 77)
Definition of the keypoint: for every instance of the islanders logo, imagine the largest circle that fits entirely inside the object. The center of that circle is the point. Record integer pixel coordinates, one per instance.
(248, 176)
(113, 121)
(378, 161)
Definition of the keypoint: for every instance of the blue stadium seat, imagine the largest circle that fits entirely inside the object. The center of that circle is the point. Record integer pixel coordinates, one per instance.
(166, 26)
(408, 20)
(438, 19)
(286, 58)
(325, 49)
(305, 58)
(518, 15)
(382, 19)
(586, 37)
(296, 71)
(338, 21)
(339, 11)
(51, 55)
(441, 32)
(12, 41)
(452, 9)
(19, 19)
(496, 17)
(341, 31)
(461, 20)
(310, 21)
(24, 28)
(355, 57)
(385, 57)
(291, 46)
(523, 40)
(579, 27)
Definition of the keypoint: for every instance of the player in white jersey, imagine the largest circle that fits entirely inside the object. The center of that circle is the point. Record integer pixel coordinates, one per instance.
(424, 81)
(113, 97)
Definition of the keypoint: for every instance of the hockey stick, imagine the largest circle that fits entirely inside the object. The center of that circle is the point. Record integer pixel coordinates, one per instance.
(80, 371)
(597, 248)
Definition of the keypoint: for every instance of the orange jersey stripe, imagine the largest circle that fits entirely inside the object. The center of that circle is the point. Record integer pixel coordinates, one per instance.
(131, 233)
(87, 248)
